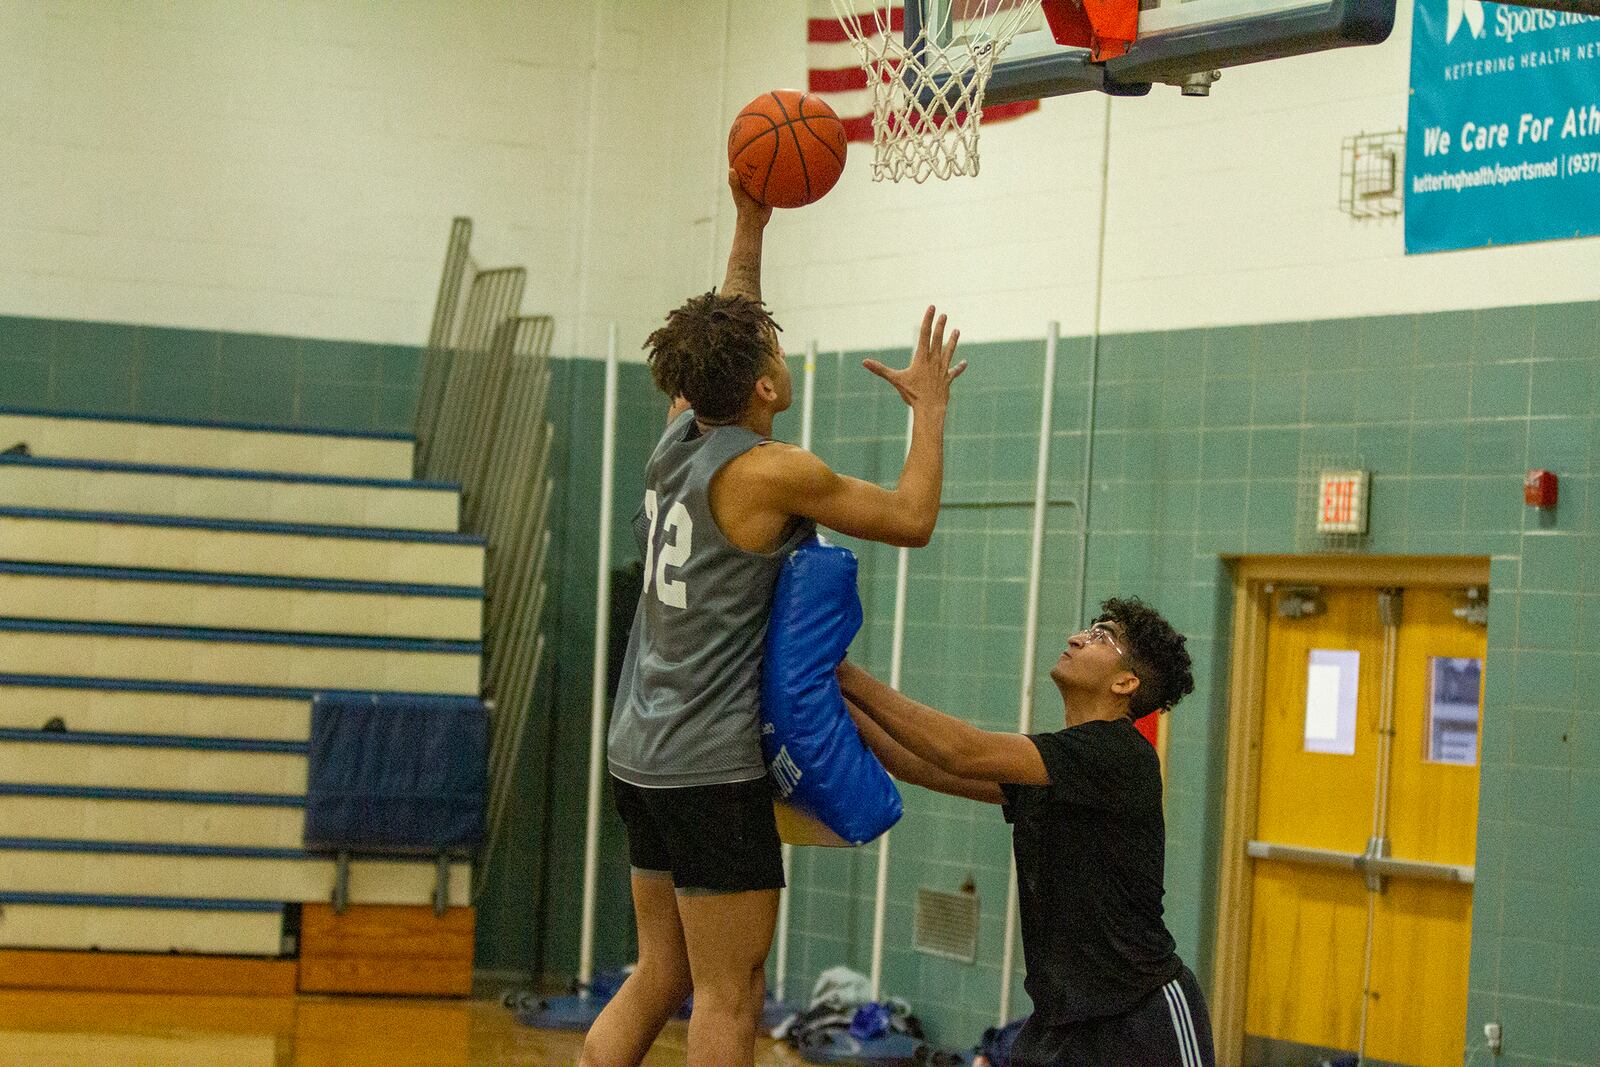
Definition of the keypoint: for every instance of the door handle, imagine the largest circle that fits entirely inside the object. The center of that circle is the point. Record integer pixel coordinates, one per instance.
(1315, 857)
(1392, 867)
(1362, 863)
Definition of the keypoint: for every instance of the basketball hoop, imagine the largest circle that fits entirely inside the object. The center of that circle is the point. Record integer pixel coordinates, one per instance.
(927, 86)
(927, 92)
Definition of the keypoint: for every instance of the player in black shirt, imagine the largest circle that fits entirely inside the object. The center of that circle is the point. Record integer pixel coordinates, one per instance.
(1107, 985)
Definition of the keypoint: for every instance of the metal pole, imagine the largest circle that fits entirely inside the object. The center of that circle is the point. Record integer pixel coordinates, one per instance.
(1094, 377)
(602, 644)
(880, 904)
(808, 397)
(1030, 633)
(1389, 607)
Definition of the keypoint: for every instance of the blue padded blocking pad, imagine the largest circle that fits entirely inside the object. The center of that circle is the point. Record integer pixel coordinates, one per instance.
(396, 773)
(815, 757)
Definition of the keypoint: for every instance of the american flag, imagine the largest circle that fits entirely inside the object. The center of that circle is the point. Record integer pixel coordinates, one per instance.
(836, 73)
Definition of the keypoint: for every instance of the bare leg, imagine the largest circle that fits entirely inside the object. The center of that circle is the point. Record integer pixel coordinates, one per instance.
(728, 936)
(623, 1033)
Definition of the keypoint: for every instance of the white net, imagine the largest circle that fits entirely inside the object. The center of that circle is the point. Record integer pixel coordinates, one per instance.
(927, 93)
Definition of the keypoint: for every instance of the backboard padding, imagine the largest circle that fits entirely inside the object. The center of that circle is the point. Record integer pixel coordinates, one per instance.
(1177, 38)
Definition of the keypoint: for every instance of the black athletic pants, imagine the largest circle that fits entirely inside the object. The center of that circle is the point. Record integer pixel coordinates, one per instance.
(1168, 1028)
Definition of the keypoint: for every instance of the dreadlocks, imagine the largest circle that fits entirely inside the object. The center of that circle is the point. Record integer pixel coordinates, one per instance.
(711, 352)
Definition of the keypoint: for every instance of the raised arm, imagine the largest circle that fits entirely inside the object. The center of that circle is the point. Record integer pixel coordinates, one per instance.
(795, 482)
(910, 768)
(798, 483)
(744, 258)
(949, 744)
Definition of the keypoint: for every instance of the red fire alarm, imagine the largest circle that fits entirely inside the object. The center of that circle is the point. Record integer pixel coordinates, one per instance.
(1539, 489)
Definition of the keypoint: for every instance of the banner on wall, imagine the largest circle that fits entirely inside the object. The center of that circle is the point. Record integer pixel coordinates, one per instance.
(1503, 140)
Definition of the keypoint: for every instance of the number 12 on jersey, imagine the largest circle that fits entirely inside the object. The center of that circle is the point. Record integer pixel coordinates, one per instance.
(674, 553)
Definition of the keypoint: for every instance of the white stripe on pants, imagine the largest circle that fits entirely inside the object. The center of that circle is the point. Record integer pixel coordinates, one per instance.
(1182, 1024)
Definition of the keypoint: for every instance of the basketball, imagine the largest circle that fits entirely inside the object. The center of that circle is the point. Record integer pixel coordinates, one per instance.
(787, 147)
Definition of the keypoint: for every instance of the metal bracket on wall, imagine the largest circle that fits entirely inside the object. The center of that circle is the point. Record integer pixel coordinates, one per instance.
(1476, 609)
(341, 883)
(441, 884)
(1377, 849)
(1389, 601)
(1300, 602)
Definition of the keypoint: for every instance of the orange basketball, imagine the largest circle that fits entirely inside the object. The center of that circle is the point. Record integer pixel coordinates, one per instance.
(787, 148)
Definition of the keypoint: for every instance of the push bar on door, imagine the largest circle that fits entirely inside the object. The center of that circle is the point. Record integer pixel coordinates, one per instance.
(1387, 866)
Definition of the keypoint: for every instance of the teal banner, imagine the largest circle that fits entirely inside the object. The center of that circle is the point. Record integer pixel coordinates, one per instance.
(1503, 140)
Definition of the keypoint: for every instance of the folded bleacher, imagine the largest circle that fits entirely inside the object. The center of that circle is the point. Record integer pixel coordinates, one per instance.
(172, 599)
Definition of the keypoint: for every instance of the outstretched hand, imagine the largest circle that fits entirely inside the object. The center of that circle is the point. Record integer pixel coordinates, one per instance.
(926, 381)
(747, 206)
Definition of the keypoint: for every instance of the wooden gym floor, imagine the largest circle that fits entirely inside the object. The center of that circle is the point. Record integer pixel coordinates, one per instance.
(57, 1029)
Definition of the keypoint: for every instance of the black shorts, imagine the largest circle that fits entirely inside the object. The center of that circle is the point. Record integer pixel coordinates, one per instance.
(1168, 1028)
(710, 838)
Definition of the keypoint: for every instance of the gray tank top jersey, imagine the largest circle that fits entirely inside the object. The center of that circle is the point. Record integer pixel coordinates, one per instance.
(688, 704)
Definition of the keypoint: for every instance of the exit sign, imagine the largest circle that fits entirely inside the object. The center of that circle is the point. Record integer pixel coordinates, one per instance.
(1342, 502)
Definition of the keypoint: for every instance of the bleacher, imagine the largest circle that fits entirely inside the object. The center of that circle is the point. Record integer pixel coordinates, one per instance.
(172, 597)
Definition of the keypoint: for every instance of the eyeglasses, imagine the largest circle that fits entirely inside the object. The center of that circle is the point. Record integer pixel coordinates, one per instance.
(1102, 634)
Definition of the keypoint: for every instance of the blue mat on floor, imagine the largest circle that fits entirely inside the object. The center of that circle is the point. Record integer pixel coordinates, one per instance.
(563, 1013)
(772, 1013)
(838, 1046)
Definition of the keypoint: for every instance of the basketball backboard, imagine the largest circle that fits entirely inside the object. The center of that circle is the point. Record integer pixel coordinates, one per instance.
(1180, 42)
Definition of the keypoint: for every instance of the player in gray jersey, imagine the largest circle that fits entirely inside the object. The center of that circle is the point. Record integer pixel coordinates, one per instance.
(723, 506)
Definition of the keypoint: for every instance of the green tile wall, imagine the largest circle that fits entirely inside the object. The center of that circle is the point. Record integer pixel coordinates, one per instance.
(1199, 444)
(962, 651)
(531, 905)
(118, 369)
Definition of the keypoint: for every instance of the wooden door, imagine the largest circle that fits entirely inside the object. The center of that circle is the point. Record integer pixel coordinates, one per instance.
(1309, 922)
(1363, 850)
(1422, 926)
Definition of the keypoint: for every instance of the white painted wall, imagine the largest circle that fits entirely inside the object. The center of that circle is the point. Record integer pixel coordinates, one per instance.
(1221, 211)
(291, 167)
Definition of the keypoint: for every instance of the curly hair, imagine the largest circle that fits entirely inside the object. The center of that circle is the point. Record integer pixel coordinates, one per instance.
(712, 351)
(1156, 654)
